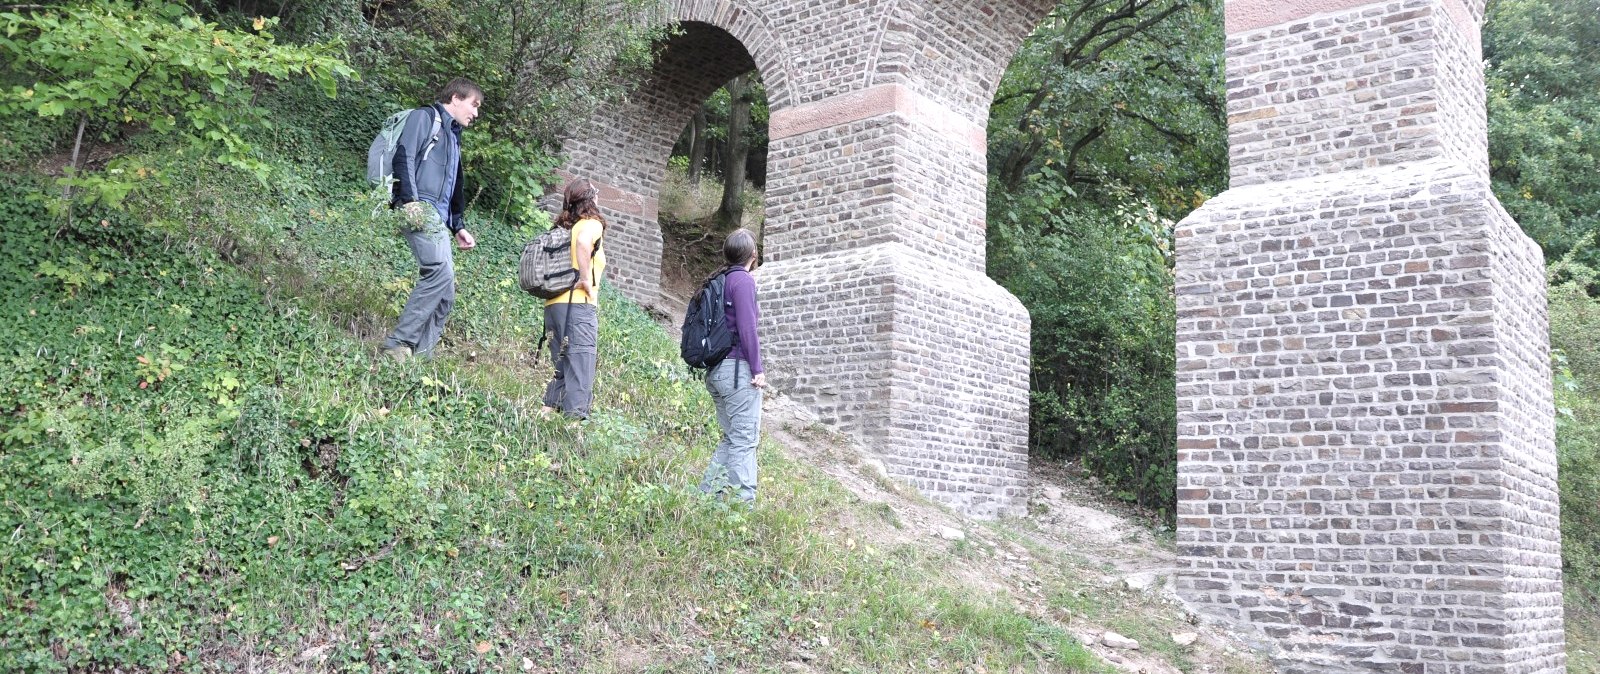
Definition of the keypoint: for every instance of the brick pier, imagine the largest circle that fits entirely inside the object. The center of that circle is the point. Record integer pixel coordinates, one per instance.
(1366, 435)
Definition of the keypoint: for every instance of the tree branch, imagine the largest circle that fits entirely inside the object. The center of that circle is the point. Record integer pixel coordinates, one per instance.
(1176, 137)
(1077, 148)
(1136, 29)
(1129, 10)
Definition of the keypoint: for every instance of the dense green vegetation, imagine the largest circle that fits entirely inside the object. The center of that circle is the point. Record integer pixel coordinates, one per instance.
(1574, 327)
(1544, 119)
(203, 466)
(1106, 130)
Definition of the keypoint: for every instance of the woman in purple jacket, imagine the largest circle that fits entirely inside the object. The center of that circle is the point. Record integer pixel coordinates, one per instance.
(735, 383)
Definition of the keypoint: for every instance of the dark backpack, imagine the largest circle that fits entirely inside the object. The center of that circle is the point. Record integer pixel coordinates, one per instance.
(545, 269)
(706, 338)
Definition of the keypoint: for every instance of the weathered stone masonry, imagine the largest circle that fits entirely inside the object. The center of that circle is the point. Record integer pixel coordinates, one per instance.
(1366, 459)
(881, 317)
(1366, 450)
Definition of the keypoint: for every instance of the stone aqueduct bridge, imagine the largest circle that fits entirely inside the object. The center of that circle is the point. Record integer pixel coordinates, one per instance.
(1366, 453)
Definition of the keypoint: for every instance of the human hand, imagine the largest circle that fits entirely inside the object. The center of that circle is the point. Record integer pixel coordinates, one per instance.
(583, 284)
(464, 240)
(759, 381)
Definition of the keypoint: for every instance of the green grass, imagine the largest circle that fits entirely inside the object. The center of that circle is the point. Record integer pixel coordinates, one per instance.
(1583, 634)
(204, 465)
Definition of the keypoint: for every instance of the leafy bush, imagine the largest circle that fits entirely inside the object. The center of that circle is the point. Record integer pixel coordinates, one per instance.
(1098, 284)
(1544, 119)
(108, 64)
(1574, 322)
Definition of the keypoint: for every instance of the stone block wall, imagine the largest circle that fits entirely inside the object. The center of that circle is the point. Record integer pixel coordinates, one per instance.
(921, 359)
(958, 419)
(876, 171)
(1366, 468)
(882, 319)
(877, 311)
(1524, 406)
(1373, 85)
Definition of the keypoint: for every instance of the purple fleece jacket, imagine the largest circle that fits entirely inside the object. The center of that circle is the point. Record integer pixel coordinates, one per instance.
(739, 291)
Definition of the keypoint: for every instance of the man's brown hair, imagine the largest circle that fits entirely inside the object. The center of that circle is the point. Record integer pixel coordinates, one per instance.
(462, 88)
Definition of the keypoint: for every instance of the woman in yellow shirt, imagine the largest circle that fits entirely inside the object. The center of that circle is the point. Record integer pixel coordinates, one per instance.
(572, 321)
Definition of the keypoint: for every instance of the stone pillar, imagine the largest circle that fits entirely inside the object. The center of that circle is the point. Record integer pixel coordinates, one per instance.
(883, 319)
(1366, 469)
(878, 313)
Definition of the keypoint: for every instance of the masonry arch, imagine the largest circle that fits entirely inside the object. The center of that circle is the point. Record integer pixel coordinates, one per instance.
(1365, 429)
(624, 149)
(883, 320)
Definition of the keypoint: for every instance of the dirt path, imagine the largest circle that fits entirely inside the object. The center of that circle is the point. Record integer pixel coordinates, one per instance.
(1066, 532)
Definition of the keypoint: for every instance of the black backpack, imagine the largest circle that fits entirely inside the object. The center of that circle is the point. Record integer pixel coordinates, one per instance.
(706, 339)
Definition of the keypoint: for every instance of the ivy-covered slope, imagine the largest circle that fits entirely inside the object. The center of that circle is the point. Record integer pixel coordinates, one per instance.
(203, 466)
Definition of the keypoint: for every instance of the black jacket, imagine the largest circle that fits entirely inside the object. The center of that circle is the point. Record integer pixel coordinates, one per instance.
(419, 180)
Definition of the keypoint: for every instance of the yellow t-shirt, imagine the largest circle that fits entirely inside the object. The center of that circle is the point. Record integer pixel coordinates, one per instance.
(586, 231)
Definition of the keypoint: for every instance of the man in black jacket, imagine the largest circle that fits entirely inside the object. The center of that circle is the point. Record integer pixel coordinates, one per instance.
(427, 171)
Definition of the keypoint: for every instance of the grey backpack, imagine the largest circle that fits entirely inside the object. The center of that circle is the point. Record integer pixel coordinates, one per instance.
(380, 157)
(545, 269)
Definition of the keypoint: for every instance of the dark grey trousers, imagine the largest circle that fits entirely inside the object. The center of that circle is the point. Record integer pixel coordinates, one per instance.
(574, 332)
(422, 319)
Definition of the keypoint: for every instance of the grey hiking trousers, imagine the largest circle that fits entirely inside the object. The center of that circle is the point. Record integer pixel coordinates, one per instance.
(733, 466)
(422, 319)
(577, 326)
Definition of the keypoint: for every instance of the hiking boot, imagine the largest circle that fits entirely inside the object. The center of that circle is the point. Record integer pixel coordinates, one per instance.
(398, 353)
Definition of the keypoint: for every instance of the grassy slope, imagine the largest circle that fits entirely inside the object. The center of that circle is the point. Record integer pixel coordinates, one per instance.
(1575, 320)
(204, 467)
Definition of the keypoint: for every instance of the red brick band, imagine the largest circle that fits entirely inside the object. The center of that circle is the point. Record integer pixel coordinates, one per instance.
(616, 199)
(875, 102)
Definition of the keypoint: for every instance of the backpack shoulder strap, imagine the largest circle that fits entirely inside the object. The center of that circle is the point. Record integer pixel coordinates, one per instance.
(433, 138)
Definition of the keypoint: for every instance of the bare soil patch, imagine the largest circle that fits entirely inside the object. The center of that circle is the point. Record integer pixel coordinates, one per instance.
(1069, 539)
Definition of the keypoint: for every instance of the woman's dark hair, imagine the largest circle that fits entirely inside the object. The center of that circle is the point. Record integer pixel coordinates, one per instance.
(461, 88)
(578, 204)
(740, 247)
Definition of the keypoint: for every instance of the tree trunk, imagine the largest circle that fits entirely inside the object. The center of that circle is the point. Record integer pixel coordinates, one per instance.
(72, 167)
(697, 145)
(731, 215)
